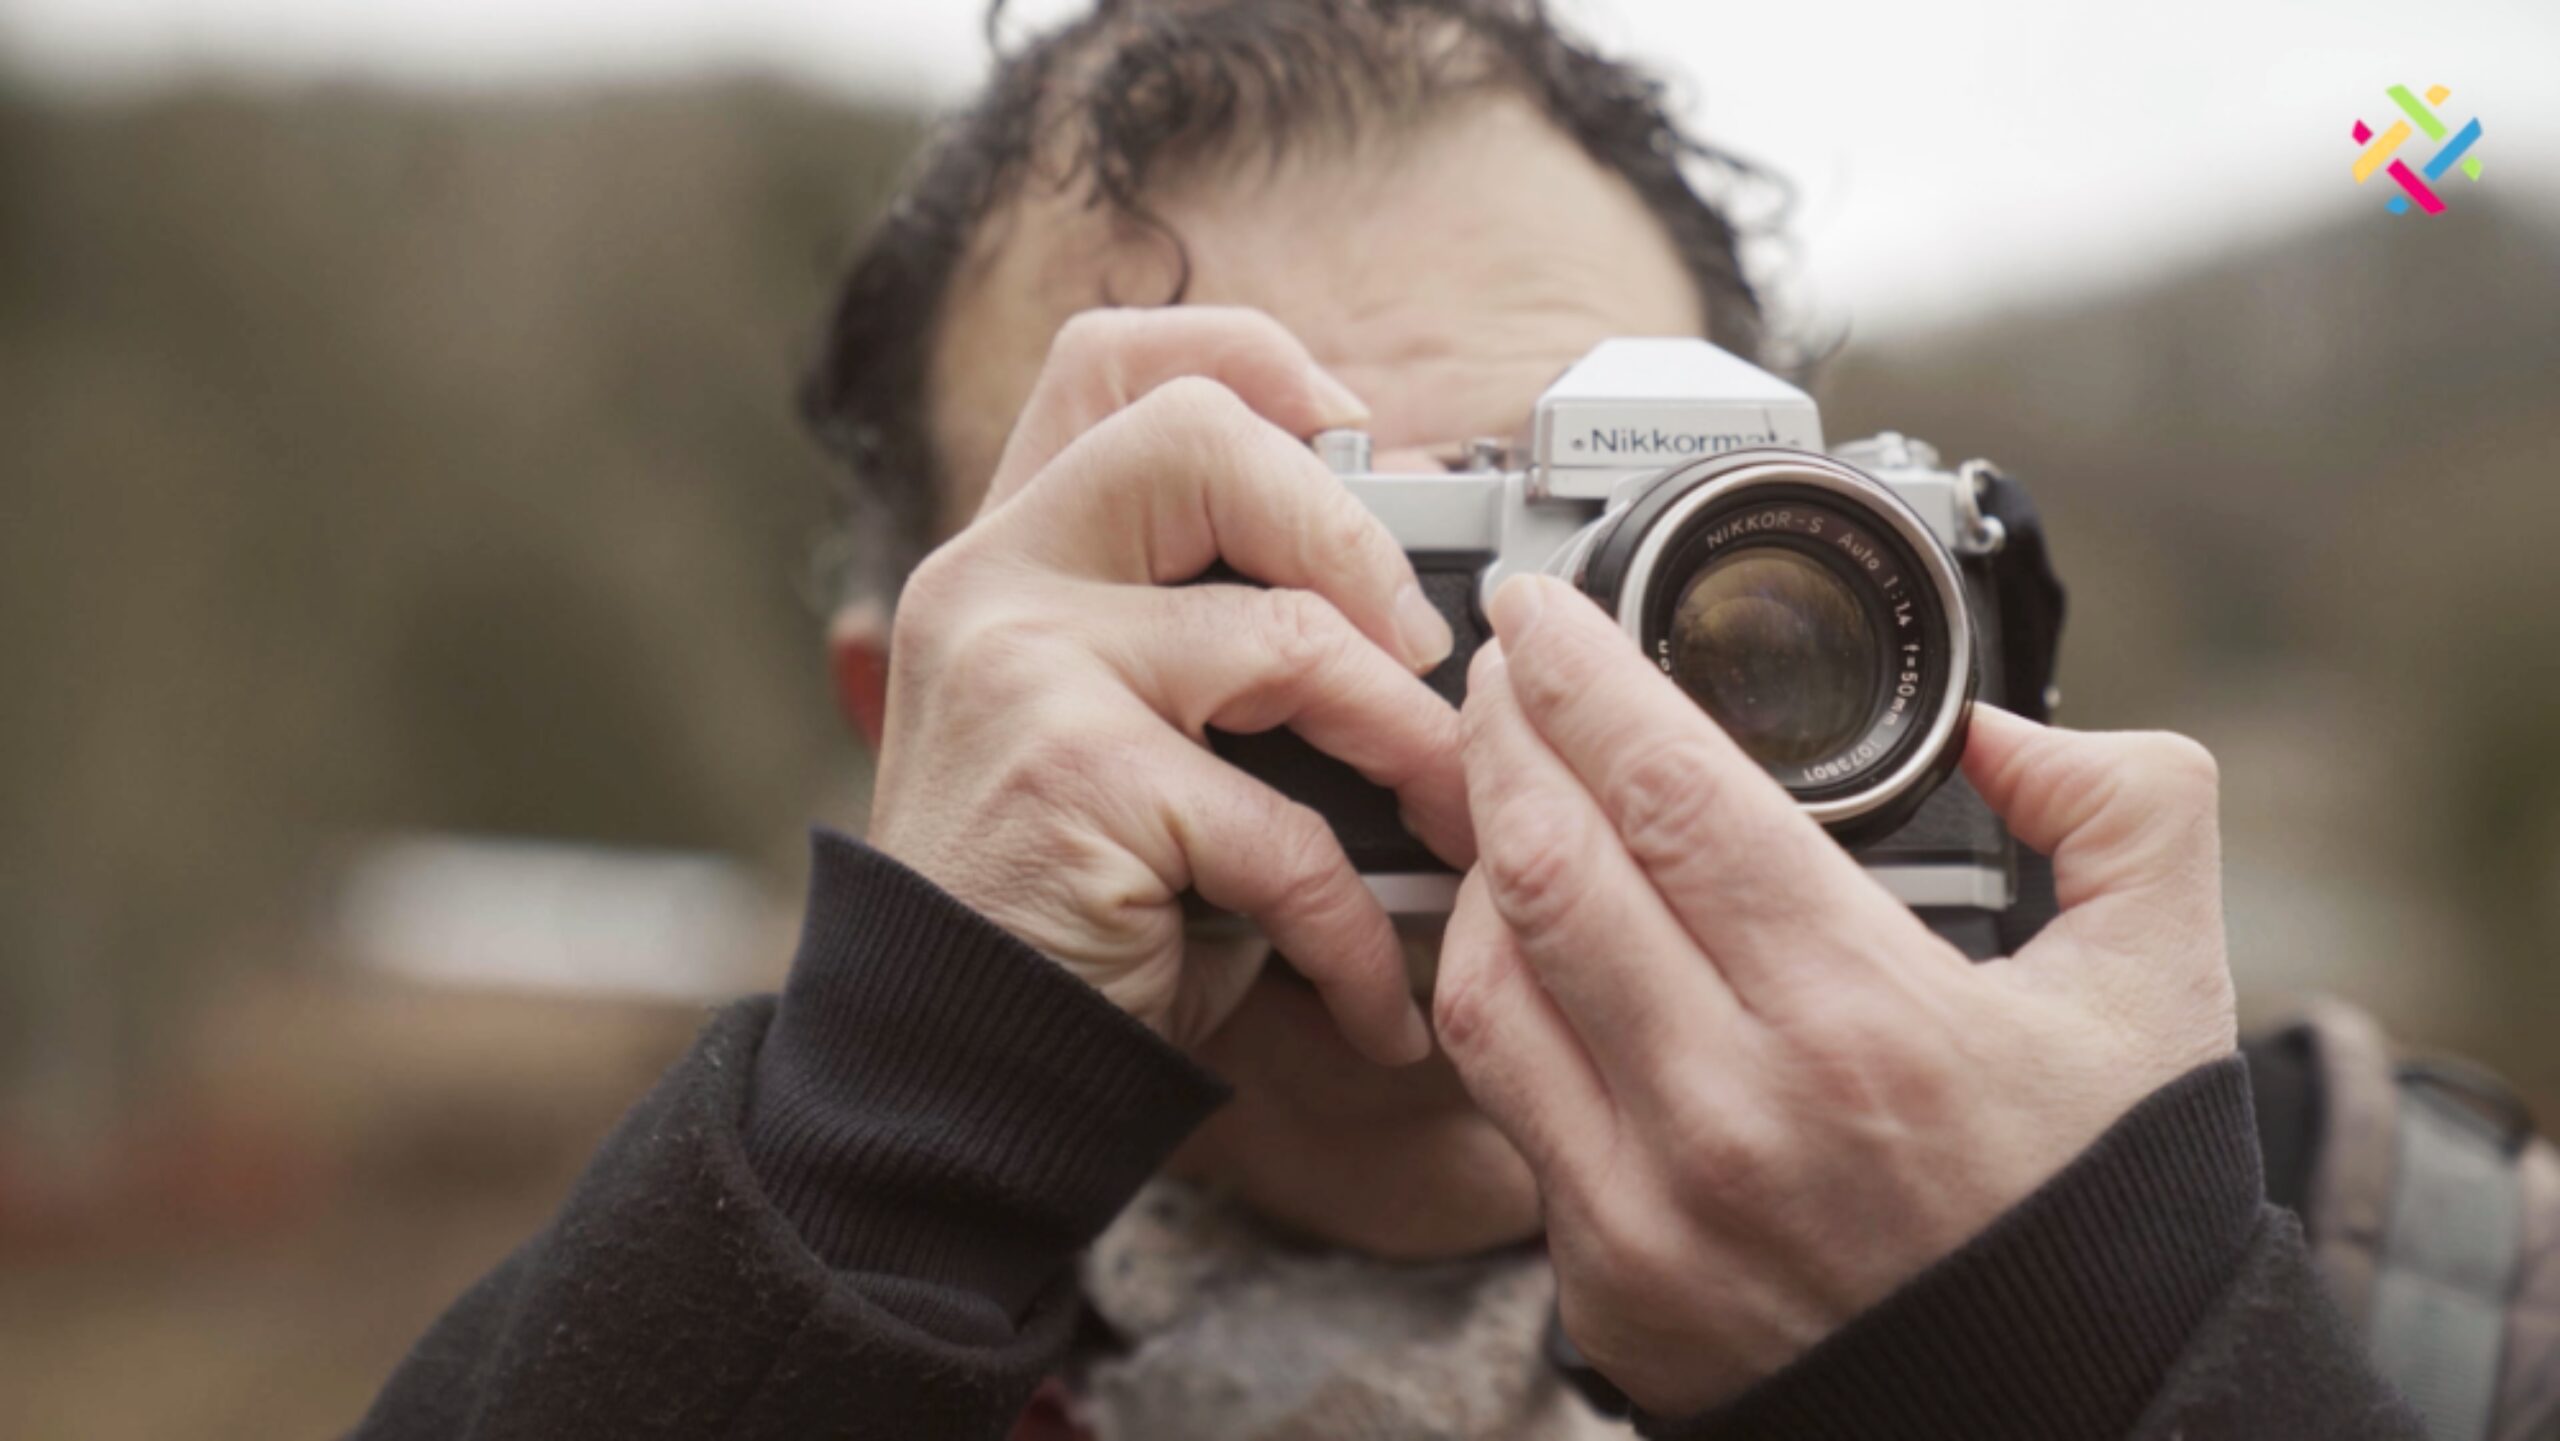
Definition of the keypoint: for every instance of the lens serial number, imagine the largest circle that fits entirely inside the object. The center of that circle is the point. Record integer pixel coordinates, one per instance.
(1832, 770)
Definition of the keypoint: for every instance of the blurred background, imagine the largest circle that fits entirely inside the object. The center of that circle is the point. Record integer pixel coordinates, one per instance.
(413, 694)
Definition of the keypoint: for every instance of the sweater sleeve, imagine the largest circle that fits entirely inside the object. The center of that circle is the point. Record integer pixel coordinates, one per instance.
(851, 1213)
(2148, 1291)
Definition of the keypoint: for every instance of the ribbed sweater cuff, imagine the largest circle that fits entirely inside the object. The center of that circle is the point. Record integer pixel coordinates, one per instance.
(938, 1101)
(2061, 1320)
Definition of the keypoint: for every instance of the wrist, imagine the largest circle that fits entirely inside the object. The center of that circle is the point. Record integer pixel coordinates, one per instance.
(918, 1046)
(1120, 958)
(2063, 1316)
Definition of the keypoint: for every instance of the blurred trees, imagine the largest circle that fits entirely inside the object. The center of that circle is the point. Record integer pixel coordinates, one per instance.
(390, 461)
(379, 461)
(2307, 499)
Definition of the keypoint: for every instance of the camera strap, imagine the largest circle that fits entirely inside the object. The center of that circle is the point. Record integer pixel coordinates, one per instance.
(2031, 608)
(2433, 1213)
(2449, 1256)
(2031, 599)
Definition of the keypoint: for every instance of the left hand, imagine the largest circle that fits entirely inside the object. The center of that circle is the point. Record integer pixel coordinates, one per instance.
(1757, 1092)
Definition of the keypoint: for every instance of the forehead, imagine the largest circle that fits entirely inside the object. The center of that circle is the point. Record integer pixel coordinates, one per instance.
(1446, 272)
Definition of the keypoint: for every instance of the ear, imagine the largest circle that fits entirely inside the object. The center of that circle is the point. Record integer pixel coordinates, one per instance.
(858, 664)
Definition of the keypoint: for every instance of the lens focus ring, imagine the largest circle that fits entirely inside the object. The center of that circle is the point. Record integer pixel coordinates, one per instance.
(1811, 613)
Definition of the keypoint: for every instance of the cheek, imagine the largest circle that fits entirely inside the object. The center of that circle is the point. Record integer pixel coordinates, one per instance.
(1284, 1054)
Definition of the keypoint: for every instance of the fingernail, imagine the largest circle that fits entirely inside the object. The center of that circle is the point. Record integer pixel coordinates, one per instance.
(1516, 606)
(1335, 402)
(1421, 629)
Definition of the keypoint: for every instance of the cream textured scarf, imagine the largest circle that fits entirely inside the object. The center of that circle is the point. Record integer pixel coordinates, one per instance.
(1237, 1336)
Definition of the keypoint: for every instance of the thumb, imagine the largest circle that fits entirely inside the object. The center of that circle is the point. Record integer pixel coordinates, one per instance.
(2128, 819)
(2126, 816)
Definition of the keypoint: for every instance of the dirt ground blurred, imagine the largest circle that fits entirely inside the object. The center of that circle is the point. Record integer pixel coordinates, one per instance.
(335, 1162)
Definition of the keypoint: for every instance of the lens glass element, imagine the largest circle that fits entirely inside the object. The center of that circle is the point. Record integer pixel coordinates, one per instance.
(1776, 646)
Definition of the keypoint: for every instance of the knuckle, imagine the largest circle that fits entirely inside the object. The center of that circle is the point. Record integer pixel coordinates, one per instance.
(1065, 769)
(1205, 427)
(1532, 860)
(1461, 1009)
(1096, 900)
(2182, 763)
(1860, 1063)
(1662, 799)
(2155, 782)
(932, 592)
(1197, 406)
(999, 659)
(1546, 678)
(1350, 531)
(1630, 1255)
(1306, 864)
(1721, 1150)
(1305, 633)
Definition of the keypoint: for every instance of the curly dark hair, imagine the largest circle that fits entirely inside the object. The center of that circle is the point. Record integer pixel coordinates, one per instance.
(1120, 97)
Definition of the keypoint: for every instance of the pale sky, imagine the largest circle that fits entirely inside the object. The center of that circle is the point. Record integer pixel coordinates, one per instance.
(1953, 155)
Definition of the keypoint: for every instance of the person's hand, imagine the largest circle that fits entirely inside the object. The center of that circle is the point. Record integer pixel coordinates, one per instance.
(1757, 1092)
(1043, 758)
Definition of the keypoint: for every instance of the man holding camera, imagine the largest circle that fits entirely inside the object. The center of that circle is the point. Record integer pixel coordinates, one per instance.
(1777, 1157)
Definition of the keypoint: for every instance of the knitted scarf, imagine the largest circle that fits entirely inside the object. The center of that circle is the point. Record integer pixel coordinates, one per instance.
(1235, 1334)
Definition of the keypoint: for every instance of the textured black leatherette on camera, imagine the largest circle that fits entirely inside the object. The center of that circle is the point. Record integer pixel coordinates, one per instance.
(1365, 816)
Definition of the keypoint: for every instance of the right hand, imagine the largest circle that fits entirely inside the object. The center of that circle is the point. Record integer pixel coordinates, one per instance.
(1043, 759)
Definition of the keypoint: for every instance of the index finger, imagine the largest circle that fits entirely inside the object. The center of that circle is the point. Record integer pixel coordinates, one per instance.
(1191, 475)
(1748, 873)
(1102, 361)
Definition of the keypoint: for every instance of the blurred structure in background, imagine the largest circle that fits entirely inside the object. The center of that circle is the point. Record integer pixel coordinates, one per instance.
(414, 698)
(550, 919)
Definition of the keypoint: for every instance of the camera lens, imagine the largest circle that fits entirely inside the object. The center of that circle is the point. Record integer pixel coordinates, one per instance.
(1807, 609)
(1774, 644)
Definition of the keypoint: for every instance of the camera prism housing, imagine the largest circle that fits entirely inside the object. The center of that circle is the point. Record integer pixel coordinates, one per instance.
(1834, 610)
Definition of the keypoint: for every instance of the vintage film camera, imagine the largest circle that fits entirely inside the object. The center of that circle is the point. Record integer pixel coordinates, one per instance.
(1836, 611)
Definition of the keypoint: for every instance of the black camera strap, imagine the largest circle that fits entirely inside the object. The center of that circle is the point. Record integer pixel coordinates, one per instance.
(2031, 599)
(2031, 605)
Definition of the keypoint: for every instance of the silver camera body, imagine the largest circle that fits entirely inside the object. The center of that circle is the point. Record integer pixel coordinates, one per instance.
(1831, 607)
